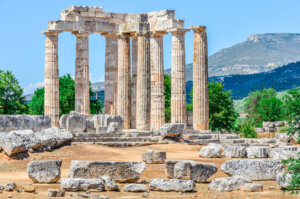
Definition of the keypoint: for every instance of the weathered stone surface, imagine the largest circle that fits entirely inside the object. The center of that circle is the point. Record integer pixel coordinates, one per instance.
(135, 188)
(29, 188)
(81, 184)
(119, 171)
(24, 122)
(228, 183)
(282, 137)
(284, 153)
(63, 121)
(260, 130)
(56, 193)
(114, 127)
(257, 152)
(10, 186)
(190, 170)
(20, 141)
(254, 169)
(154, 157)
(54, 137)
(235, 151)
(110, 183)
(76, 123)
(171, 129)
(212, 150)
(45, 171)
(283, 179)
(171, 185)
(252, 187)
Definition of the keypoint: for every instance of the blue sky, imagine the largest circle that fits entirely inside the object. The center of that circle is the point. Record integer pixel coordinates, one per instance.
(228, 22)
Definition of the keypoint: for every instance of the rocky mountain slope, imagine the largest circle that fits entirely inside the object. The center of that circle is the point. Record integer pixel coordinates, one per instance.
(259, 53)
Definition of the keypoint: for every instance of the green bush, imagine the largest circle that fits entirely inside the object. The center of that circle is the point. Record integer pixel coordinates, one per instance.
(245, 127)
(292, 166)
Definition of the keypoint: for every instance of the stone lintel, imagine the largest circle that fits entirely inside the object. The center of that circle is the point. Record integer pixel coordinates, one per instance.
(51, 32)
(178, 30)
(109, 34)
(81, 33)
(136, 18)
(133, 27)
(198, 28)
(165, 14)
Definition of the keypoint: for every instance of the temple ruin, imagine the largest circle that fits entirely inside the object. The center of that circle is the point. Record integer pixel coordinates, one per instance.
(134, 78)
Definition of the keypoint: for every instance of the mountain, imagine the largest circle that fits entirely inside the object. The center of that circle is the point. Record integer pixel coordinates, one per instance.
(259, 53)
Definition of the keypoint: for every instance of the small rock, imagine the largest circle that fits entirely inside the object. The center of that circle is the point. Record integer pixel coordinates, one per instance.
(271, 187)
(56, 193)
(19, 190)
(29, 188)
(31, 150)
(10, 196)
(10, 186)
(135, 188)
(84, 195)
(145, 194)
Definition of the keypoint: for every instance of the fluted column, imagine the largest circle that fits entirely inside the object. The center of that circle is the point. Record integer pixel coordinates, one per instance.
(143, 82)
(123, 96)
(111, 73)
(51, 99)
(200, 80)
(134, 55)
(157, 81)
(82, 79)
(178, 90)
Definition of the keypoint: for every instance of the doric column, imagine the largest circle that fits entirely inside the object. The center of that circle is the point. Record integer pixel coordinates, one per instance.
(178, 90)
(51, 100)
(82, 80)
(111, 73)
(134, 55)
(143, 82)
(123, 97)
(200, 80)
(157, 81)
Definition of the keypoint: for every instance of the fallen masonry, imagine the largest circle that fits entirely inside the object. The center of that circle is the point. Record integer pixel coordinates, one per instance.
(81, 184)
(119, 171)
(190, 170)
(211, 151)
(45, 171)
(229, 183)
(172, 185)
(135, 188)
(154, 157)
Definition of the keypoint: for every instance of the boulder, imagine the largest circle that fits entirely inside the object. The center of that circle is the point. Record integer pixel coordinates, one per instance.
(63, 121)
(171, 130)
(81, 184)
(284, 153)
(212, 150)
(110, 183)
(257, 152)
(249, 187)
(228, 183)
(135, 188)
(56, 193)
(20, 141)
(190, 170)
(283, 180)
(119, 171)
(76, 123)
(254, 169)
(45, 171)
(154, 157)
(235, 151)
(171, 185)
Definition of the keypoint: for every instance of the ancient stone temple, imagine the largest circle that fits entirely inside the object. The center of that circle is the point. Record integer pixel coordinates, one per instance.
(134, 66)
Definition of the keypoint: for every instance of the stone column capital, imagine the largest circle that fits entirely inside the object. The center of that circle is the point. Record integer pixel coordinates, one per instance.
(109, 35)
(181, 31)
(51, 32)
(158, 33)
(81, 34)
(145, 33)
(198, 28)
(122, 35)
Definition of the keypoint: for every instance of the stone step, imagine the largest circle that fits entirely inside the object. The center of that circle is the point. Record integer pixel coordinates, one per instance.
(201, 142)
(80, 135)
(116, 139)
(116, 144)
(196, 137)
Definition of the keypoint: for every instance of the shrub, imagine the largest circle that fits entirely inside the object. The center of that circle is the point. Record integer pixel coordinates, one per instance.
(292, 166)
(245, 127)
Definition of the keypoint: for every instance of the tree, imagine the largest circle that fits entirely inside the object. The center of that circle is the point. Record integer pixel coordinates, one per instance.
(270, 109)
(252, 104)
(292, 111)
(221, 108)
(66, 98)
(167, 93)
(12, 100)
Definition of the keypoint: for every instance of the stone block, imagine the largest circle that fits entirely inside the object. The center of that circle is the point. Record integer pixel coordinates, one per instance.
(284, 153)
(254, 169)
(76, 123)
(235, 151)
(283, 179)
(257, 152)
(135, 188)
(63, 121)
(119, 171)
(249, 187)
(154, 157)
(171, 185)
(110, 183)
(228, 183)
(171, 130)
(190, 170)
(45, 171)
(212, 150)
(56, 193)
(81, 184)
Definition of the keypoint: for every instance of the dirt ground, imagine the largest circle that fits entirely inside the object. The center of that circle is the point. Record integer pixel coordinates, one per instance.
(15, 171)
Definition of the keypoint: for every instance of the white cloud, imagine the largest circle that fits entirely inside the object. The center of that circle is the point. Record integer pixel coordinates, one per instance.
(32, 87)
